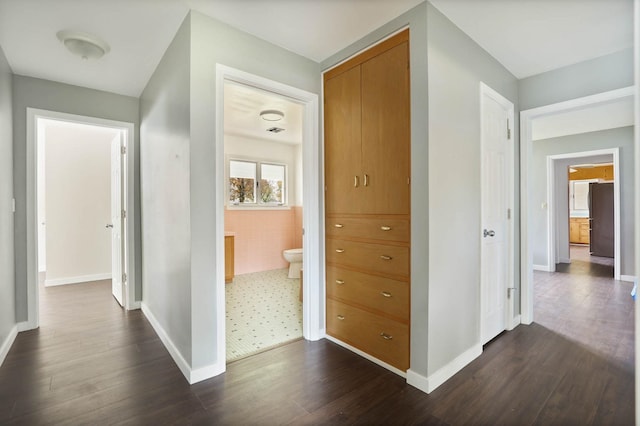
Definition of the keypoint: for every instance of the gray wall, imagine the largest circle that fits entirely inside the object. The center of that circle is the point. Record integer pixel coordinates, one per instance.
(164, 178)
(59, 97)
(621, 137)
(179, 172)
(457, 65)
(7, 282)
(416, 19)
(597, 75)
(216, 43)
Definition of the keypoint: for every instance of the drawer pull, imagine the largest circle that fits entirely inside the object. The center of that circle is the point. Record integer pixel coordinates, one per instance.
(383, 257)
(366, 180)
(338, 225)
(385, 228)
(339, 282)
(356, 181)
(339, 250)
(386, 294)
(341, 317)
(386, 336)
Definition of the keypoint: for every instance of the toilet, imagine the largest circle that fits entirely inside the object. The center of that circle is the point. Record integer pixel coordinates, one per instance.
(294, 257)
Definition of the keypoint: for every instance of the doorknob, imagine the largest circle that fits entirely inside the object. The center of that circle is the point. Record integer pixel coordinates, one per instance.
(489, 233)
(109, 225)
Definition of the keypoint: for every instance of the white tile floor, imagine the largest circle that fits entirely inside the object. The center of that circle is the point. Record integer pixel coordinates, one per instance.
(263, 311)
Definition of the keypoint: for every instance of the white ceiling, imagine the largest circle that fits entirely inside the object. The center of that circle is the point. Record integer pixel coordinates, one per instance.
(527, 36)
(242, 107)
(603, 116)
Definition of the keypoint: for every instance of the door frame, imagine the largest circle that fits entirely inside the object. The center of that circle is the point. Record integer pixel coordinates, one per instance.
(33, 115)
(552, 238)
(511, 320)
(313, 255)
(526, 187)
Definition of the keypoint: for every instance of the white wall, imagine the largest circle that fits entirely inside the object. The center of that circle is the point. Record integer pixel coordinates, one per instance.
(78, 202)
(7, 281)
(621, 137)
(265, 150)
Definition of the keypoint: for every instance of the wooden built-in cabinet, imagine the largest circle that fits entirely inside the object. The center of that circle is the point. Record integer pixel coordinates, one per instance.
(579, 230)
(367, 179)
(229, 258)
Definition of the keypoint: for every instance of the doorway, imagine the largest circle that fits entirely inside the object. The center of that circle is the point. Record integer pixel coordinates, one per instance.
(530, 205)
(312, 318)
(263, 219)
(56, 224)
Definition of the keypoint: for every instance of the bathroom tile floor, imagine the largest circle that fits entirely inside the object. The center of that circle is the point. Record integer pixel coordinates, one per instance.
(263, 311)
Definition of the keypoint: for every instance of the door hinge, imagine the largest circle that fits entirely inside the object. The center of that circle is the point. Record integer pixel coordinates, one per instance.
(123, 150)
(124, 277)
(124, 214)
(408, 181)
(508, 130)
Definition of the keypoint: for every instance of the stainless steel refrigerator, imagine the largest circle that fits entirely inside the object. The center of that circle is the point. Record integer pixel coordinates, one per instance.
(601, 235)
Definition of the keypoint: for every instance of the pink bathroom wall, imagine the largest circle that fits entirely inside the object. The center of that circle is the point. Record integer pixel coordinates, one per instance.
(261, 236)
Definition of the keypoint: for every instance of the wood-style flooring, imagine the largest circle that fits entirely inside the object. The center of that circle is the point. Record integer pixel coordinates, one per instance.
(92, 363)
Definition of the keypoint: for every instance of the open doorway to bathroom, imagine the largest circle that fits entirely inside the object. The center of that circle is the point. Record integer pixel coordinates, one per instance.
(262, 219)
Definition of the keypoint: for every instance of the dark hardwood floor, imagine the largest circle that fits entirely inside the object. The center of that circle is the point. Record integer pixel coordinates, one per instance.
(92, 363)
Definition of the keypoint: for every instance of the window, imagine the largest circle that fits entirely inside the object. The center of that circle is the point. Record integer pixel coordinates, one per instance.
(256, 183)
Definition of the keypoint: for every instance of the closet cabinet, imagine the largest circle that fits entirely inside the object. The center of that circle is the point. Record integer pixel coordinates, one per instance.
(367, 189)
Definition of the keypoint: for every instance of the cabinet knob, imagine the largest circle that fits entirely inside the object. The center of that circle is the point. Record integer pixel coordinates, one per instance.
(384, 257)
(339, 282)
(385, 228)
(385, 294)
(386, 336)
(338, 225)
(341, 317)
(339, 250)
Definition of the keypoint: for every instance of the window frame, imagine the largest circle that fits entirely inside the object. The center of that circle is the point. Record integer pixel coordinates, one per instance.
(258, 204)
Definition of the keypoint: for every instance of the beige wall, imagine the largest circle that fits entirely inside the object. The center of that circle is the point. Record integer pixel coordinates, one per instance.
(78, 202)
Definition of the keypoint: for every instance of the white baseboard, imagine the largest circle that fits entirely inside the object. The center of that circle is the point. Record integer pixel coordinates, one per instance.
(367, 356)
(564, 260)
(429, 384)
(192, 376)
(135, 305)
(515, 321)
(544, 268)
(25, 326)
(7, 343)
(77, 279)
(628, 278)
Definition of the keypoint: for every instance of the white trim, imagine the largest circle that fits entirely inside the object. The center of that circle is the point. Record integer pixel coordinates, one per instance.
(564, 260)
(8, 342)
(628, 278)
(429, 384)
(552, 238)
(526, 149)
(486, 91)
(135, 305)
(23, 326)
(544, 268)
(33, 114)
(182, 364)
(77, 280)
(514, 323)
(367, 356)
(311, 211)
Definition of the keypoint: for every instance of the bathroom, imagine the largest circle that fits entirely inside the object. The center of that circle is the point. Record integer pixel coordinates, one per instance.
(263, 219)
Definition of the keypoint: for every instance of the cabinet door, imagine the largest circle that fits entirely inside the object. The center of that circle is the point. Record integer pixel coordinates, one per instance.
(343, 158)
(386, 131)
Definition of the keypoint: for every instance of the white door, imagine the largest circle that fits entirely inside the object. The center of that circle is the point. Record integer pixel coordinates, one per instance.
(117, 221)
(494, 233)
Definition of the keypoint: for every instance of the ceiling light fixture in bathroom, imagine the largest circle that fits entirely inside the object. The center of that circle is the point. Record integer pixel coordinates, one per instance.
(272, 115)
(85, 45)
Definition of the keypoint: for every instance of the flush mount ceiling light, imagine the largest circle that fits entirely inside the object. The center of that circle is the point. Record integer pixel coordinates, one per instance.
(85, 45)
(272, 115)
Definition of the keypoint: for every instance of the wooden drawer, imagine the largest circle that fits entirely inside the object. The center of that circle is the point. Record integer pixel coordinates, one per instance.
(380, 337)
(370, 257)
(371, 228)
(379, 293)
